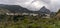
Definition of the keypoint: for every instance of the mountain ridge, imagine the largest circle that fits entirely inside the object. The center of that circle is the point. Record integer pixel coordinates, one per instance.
(19, 9)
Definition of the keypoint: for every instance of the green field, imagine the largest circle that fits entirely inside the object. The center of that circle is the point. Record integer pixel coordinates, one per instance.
(28, 22)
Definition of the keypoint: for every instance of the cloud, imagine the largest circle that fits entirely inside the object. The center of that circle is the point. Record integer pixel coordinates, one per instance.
(53, 5)
(34, 4)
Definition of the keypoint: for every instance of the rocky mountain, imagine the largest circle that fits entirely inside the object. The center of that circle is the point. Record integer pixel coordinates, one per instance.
(19, 9)
(44, 10)
(14, 8)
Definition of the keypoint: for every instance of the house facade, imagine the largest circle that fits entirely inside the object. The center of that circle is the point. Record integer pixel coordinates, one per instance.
(31, 14)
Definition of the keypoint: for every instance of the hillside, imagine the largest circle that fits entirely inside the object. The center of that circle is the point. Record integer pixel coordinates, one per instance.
(14, 8)
(58, 14)
(19, 9)
(13, 21)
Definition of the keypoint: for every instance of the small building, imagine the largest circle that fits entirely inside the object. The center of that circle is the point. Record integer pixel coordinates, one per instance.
(45, 16)
(9, 13)
(32, 14)
(25, 14)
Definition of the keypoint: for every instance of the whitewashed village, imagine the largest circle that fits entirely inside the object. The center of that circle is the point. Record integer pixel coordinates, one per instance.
(43, 12)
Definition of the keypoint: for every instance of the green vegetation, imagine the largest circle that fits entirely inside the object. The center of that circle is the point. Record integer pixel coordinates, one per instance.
(28, 22)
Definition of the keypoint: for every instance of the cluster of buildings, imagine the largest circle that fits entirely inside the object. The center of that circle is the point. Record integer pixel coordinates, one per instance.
(43, 12)
(31, 14)
(18, 10)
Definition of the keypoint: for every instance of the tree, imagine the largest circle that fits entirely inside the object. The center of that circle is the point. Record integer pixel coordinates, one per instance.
(58, 11)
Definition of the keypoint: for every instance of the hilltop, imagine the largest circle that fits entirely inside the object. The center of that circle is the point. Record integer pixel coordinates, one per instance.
(19, 9)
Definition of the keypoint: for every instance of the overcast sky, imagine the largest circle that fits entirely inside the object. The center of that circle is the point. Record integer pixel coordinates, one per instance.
(53, 5)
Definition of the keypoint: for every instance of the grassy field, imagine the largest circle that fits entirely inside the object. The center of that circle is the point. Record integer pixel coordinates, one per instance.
(28, 22)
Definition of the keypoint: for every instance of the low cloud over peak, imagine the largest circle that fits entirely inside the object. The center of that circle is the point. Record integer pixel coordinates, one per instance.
(53, 5)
